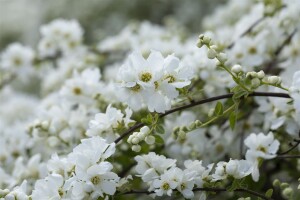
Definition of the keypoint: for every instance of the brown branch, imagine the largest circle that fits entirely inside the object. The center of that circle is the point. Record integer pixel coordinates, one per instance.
(275, 60)
(290, 149)
(287, 156)
(208, 190)
(203, 101)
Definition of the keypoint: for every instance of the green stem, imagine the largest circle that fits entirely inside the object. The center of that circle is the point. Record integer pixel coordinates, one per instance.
(217, 117)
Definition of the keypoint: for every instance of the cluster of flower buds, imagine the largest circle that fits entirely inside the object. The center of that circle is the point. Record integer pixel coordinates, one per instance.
(180, 132)
(214, 51)
(138, 137)
(256, 78)
(42, 127)
(287, 190)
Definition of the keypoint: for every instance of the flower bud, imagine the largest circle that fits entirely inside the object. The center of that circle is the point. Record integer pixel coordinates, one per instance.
(287, 192)
(150, 139)
(284, 185)
(206, 40)
(251, 75)
(135, 140)
(222, 57)
(182, 135)
(4, 192)
(274, 80)
(192, 126)
(276, 183)
(198, 123)
(236, 69)
(255, 83)
(211, 54)
(211, 112)
(45, 125)
(261, 74)
(145, 129)
(136, 148)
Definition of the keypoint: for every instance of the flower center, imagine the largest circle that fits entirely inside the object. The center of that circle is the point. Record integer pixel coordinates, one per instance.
(77, 91)
(182, 186)
(95, 180)
(165, 186)
(60, 192)
(136, 88)
(146, 77)
(171, 79)
(252, 50)
(17, 61)
(261, 148)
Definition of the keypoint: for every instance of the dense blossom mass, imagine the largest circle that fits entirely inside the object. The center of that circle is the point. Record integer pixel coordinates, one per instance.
(154, 111)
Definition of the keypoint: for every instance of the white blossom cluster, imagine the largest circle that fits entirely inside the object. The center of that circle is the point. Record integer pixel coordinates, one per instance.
(163, 177)
(152, 81)
(76, 118)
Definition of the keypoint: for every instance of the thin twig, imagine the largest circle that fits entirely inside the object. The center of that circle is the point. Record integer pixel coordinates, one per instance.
(247, 31)
(275, 60)
(208, 190)
(203, 101)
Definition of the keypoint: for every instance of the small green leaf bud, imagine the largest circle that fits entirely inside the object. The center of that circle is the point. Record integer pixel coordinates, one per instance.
(182, 135)
(276, 183)
(287, 192)
(192, 126)
(198, 123)
(284, 185)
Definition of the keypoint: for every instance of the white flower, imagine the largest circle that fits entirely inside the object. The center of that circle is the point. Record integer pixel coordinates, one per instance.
(260, 147)
(186, 182)
(238, 168)
(49, 188)
(167, 183)
(91, 151)
(97, 180)
(152, 81)
(82, 88)
(105, 123)
(295, 91)
(61, 35)
(17, 59)
(150, 166)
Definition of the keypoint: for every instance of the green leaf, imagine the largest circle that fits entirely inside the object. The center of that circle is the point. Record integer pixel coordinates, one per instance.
(159, 139)
(239, 94)
(160, 129)
(232, 120)
(235, 185)
(269, 193)
(219, 109)
(147, 120)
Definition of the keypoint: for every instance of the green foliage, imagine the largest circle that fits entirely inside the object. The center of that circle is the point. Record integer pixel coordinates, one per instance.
(219, 109)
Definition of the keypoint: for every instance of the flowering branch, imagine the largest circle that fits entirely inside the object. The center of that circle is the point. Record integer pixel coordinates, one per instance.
(203, 101)
(208, 190)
